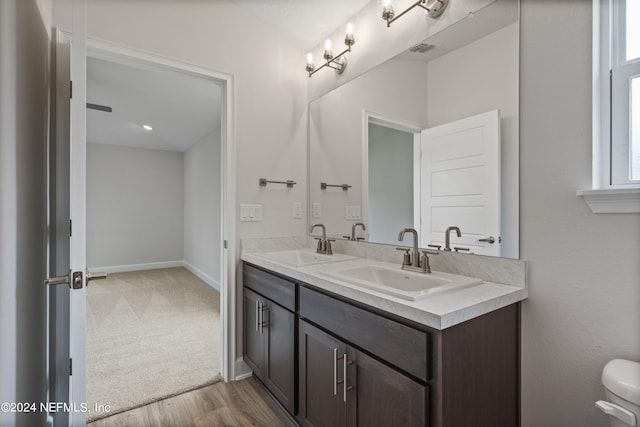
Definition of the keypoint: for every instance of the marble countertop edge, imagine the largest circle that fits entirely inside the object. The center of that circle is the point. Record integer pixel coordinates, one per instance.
(439, 311)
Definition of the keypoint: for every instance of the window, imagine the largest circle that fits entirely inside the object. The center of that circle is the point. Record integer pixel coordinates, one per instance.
(619, 80)
(616, 112)
(625, 91)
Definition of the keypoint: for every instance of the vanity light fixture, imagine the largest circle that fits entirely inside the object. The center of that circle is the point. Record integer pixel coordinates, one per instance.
(434, 9)
(338, 62)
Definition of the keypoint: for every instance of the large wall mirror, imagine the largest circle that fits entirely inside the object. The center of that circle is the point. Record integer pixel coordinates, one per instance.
(427, 140)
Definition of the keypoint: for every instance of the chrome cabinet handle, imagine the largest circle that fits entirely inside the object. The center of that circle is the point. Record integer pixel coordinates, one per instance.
(263, 308)
(336, 382)
(257, 315)
(335, 371)
(345, 388)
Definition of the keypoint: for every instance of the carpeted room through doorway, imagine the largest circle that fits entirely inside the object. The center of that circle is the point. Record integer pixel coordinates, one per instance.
(150, 334)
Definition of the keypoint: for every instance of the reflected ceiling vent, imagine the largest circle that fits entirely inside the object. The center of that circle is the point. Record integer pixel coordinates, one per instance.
(422, 48)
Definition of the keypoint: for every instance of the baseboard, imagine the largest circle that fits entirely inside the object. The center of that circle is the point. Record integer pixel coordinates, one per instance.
(137, 267)
(242, 370)
(203, 276)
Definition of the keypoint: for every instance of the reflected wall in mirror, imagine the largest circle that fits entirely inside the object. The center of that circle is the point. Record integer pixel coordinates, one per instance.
(370, 134)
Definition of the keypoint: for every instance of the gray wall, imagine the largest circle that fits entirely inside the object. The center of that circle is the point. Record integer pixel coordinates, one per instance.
(584, 274)
(135, 206)
(390, 194)
(24, 88)
(202, 204)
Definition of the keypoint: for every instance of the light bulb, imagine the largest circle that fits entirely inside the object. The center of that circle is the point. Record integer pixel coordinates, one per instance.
(147, 127)
(349, 40)
(309, 58)
(327, 44)
(349, 29)
(386, 3)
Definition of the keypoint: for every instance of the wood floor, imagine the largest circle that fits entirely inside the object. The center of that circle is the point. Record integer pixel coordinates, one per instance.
(239, 403)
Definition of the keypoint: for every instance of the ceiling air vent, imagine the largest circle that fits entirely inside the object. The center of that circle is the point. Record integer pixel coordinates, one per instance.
(422, 48)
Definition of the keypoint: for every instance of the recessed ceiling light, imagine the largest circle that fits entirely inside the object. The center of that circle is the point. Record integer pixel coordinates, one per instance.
(147, 127)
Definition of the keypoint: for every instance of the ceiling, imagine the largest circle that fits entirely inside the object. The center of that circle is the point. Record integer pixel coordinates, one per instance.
(183, 108)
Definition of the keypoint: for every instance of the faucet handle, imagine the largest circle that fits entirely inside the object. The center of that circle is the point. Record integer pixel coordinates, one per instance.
(426, 267)
(460, 249)
(406, 258)
(435, 246)
(327, 248)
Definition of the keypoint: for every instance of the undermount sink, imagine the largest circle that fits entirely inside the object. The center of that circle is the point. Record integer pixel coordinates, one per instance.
(400, 283)
(302, 257)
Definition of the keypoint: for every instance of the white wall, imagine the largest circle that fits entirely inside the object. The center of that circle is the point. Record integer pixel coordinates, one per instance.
(270, 87)
(24, 88)
(474, 79)
(270, 135)
(583, 271)
(135, 207)
(202, 204)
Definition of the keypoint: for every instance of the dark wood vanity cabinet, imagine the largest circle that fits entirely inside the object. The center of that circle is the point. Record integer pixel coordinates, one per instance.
(342, 386)
(398, 373)
(270, 334)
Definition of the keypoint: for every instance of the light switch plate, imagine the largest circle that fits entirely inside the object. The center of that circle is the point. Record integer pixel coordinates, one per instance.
(297, 210)
(250, 213)
(353, 212)
(317, 211)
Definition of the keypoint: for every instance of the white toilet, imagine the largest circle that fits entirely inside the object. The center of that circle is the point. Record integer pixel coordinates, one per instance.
(621, 379)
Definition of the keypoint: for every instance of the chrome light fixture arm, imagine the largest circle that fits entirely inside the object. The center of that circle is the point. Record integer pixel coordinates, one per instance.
(337, 62)
(434, 9)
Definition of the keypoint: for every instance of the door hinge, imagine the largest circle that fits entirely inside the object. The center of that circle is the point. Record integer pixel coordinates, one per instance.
(224, 244)
(70, 366)
(70, 228)
(70, 89)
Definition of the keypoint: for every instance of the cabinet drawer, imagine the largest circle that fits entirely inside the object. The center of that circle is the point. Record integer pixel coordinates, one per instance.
(398, 344)
(275, 288)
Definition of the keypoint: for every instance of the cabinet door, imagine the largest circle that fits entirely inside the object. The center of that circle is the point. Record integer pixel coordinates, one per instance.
(279, 375)
(381, 396)
(254, 347)
(319, 405)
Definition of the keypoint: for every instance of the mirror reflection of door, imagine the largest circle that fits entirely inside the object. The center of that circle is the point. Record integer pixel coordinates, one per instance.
(448, 175)
(460, 171)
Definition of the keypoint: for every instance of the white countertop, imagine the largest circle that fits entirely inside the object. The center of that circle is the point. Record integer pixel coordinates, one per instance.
(439, 311)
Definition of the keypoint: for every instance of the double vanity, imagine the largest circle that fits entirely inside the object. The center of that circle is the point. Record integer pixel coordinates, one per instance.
(354, 339)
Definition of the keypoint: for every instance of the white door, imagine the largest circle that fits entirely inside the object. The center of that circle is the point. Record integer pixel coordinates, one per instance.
(461, 183)
(67, 227)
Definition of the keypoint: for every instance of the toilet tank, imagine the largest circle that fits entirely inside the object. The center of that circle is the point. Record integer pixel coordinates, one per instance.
(621, 379)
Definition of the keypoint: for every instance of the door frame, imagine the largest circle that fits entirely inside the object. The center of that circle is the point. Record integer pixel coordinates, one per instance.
(369, 116)
(98, 48)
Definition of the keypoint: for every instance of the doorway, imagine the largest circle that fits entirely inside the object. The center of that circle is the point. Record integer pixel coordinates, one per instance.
(156, 222)
(391, 177)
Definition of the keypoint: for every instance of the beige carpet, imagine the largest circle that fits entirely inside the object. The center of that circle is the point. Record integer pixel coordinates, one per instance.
(150, 334)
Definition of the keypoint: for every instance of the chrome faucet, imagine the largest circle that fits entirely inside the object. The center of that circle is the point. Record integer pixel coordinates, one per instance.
(412, 261)
(324, 244)
(447, 234)
(353, 231)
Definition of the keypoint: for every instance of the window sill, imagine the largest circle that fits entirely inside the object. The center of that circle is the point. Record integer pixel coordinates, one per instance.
(612, 200)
